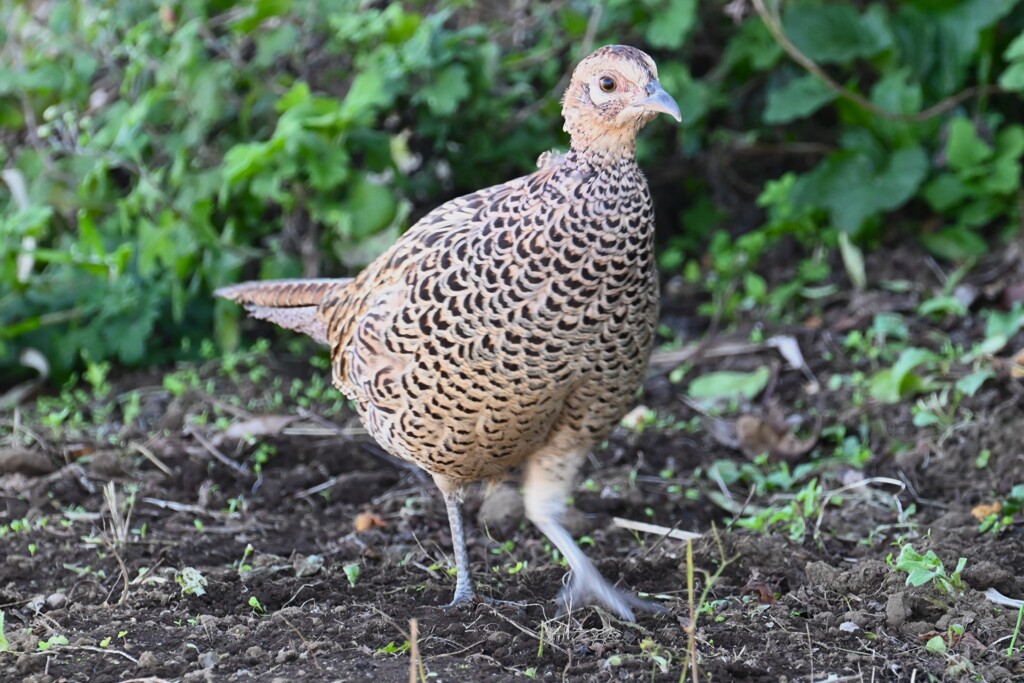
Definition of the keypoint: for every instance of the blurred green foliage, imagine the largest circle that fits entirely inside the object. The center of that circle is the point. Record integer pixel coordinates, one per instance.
(153, 150)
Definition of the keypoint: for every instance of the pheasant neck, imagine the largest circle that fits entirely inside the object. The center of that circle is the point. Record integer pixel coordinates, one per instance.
(598, 156)
(607, 148)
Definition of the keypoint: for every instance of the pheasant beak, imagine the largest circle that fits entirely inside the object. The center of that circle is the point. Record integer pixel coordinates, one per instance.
(660, 101)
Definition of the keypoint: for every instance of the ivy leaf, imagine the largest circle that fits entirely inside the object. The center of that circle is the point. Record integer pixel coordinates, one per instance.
(799, 98)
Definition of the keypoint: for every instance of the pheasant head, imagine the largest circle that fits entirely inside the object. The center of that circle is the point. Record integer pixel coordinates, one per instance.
(612, 95)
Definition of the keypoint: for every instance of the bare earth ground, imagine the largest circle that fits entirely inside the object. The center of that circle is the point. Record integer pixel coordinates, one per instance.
(84, 600)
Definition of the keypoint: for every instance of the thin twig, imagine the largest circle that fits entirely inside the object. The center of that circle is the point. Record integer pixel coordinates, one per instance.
(150, 456)
(774, 25)
(215, 452)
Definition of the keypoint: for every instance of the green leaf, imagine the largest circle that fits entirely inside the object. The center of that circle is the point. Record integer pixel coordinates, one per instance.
(298, 94)
(444, 94)
(969, 384)
(373, 205)
(1012, 77)
(853, 190)
(900, 382)
(729, 385)
(1005, 323)
(936, 645)
(944, 192)
(753, 44)
(352, 572)
(799, 98)
(366, 96)
(965, 148)
(955, 244)
(853, 261)
(670, 28)
(1015, 50)
(834, 32)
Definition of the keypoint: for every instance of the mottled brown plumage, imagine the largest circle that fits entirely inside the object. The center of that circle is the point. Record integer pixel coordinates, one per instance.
(510, 326)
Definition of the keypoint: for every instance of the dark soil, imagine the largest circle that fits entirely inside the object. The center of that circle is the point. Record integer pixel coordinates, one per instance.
(826, 606)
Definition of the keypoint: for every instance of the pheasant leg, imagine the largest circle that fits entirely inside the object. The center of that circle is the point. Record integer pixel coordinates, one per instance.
(464, 591)
(548, 476)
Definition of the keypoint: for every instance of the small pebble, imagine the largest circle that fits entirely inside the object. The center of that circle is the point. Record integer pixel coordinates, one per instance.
(56, 600)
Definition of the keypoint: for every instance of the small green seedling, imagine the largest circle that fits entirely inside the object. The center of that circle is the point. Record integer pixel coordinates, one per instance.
(1009, 650)
(243, 564)
(352, 572)
(921, 569)
(5, 644)
(192, 582)
(45, 645)
(393, 648)
(256, 605)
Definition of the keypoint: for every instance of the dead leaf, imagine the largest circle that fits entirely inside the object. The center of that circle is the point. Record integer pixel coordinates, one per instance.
(764, 589)
(368, 520)
(984, 510)
(757, 435)
(264, 425)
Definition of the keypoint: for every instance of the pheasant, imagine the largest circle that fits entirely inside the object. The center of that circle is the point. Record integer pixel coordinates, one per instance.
(511, 326)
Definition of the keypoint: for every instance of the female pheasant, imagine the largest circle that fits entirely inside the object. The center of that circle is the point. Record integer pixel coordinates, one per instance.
(509, 327)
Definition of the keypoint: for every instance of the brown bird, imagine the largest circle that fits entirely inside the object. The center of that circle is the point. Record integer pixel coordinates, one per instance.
(511, 326)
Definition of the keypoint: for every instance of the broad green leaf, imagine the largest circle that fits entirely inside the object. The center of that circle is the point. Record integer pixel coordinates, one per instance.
(835, 32)
(936, 645)
(259, 11)
(446, 91)
(965, 148)
(753, 44)
(728, 385)
(969, 384)
(670, 28)
(298, 94)
(373, 207)
(365, 97)
(900, 382)
(799, 98)
(1005, 323)
(848, 185)
(955, 243)
(944, 192)
(1012, 77)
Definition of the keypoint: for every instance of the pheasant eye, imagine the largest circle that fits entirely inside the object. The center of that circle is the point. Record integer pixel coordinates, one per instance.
(606, 83)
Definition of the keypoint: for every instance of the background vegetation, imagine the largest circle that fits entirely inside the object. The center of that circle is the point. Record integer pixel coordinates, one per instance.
(152, 151)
